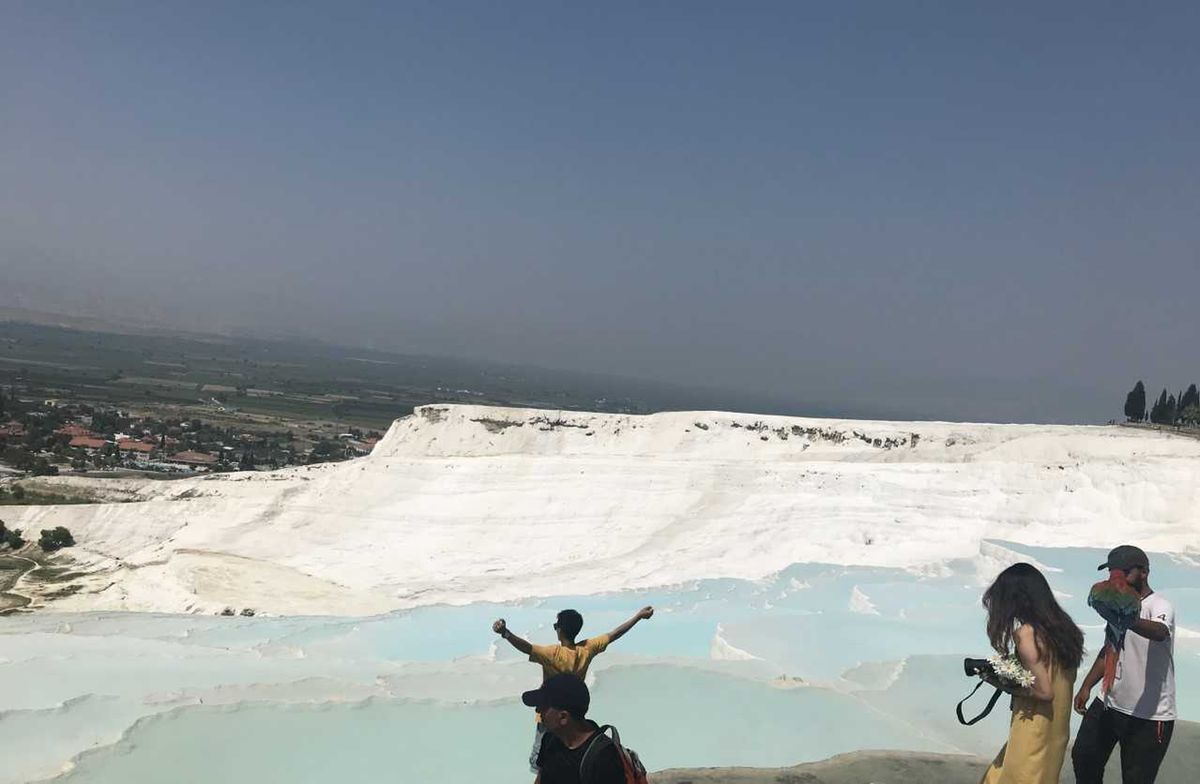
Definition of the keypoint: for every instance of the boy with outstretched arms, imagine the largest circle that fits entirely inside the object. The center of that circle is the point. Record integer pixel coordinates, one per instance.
(567, 656)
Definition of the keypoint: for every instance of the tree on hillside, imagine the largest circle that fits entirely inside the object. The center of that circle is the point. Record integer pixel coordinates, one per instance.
(1159, 408)
(1189, 399)
(1135, 403)
(55, 539)
(1170, 412)
(12, 537)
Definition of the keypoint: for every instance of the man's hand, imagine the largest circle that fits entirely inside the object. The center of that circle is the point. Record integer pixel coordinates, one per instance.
(501, 628)
(640, 615)
(1081, 700)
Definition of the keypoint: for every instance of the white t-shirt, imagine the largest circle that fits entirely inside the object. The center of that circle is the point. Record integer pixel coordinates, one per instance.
(1145, 682)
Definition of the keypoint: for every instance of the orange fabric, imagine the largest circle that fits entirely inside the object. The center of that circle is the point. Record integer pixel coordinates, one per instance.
(557, 659)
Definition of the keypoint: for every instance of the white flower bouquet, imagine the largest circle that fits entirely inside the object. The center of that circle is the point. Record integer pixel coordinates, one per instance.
(1010, 672)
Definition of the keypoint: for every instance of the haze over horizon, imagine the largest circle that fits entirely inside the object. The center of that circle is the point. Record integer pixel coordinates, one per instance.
(928, 211)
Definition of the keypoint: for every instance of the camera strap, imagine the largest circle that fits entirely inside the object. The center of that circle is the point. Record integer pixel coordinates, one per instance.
(958, 709)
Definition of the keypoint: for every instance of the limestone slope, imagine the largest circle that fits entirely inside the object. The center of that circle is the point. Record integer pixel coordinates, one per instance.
(462, 503)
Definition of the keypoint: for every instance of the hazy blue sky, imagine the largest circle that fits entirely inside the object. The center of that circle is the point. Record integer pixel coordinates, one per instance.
(918, 209)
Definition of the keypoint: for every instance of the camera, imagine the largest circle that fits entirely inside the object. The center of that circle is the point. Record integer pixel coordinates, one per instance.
(977, 667)
(983, 669)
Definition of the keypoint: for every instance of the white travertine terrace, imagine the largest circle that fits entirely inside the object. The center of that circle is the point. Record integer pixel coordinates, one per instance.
(464, 503)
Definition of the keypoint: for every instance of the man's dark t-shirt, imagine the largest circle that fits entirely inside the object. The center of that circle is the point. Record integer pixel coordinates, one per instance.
(560, 765)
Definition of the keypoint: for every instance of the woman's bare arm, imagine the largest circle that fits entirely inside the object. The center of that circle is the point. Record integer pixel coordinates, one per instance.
(1027, 652)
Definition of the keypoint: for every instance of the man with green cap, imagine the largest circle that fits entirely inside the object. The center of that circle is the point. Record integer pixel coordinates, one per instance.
(1138, 711)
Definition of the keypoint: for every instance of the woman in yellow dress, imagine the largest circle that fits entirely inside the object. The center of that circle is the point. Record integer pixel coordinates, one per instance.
(1025, 618)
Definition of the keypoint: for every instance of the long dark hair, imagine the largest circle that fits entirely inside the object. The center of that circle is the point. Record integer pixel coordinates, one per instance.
(1020, 594)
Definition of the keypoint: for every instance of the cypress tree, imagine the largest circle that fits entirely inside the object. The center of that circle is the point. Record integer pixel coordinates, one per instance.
(1170, 411)
(1190, 398)
(1135, 403)
(1156, 412)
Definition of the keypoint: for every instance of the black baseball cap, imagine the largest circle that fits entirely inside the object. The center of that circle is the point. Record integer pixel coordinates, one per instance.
(565, 692)
(1126, 557)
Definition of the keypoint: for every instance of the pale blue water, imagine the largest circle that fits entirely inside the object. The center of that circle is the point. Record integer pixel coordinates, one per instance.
(421, 696)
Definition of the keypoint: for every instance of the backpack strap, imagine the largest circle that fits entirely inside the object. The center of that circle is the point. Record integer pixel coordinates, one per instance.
(598, 742)
(958, 709)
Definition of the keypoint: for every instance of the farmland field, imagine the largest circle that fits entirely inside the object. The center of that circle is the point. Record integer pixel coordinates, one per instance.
(270, 383)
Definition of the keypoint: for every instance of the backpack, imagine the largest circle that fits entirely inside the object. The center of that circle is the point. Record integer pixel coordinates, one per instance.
(635, 772)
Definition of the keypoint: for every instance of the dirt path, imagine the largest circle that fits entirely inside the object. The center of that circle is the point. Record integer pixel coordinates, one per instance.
(1170, 430)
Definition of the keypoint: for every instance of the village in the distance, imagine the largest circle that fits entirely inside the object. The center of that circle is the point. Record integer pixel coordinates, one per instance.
(106, 401)
(49, 436)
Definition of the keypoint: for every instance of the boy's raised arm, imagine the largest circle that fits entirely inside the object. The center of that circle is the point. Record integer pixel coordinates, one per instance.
(501, 628)
(619, 632)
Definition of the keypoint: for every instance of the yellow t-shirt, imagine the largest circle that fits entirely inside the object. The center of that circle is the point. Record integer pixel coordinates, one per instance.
(557, 659)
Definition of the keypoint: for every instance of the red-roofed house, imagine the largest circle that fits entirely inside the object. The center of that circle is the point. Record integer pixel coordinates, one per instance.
(196, 459)
(73, 430)
(138, 449)
(88, 443)
(360, 447)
